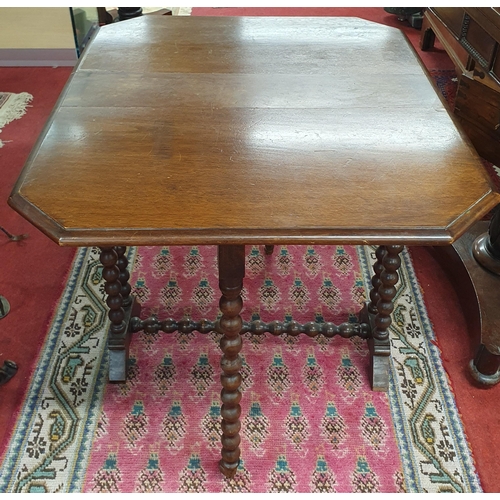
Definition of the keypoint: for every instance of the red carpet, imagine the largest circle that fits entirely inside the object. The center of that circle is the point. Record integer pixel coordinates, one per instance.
(33, 271)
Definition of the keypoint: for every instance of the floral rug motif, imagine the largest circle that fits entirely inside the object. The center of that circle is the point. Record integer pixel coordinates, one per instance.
(310, 422)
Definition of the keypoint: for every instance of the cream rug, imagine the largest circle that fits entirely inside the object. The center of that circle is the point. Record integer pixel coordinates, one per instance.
(12, 107)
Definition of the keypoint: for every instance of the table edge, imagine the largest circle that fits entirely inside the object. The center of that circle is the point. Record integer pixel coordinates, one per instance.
(252, 236)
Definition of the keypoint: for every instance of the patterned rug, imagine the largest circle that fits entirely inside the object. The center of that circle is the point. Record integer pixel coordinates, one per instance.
(309, 420)
(12, 107)
(447, 82)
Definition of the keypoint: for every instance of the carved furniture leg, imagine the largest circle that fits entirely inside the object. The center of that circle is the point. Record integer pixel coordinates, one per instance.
(122, 307)
(269, 249)
(485, 366)
(7, 371)
(427, 36)
(486, 248)
(381, 305)
(470, 264)
(231, 273)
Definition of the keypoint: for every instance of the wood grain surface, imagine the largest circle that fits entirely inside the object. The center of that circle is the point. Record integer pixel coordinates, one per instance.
(220, 130)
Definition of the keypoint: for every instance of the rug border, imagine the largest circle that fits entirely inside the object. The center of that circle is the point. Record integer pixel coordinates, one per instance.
(46, 353)
(79, 473)
(471, 477)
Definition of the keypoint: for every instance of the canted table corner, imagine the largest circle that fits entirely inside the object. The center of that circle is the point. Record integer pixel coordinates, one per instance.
(235, 131)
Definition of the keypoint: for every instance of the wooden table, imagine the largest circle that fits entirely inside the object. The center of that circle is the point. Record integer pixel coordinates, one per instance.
(243, 131)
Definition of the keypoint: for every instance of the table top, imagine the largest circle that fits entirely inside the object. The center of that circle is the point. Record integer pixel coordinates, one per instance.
(251, 130)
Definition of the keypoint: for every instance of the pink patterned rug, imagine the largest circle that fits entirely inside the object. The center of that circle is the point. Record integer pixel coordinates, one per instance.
(310, 422)
(309, 419)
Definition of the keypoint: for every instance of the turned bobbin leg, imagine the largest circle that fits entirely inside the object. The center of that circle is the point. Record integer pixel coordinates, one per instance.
(382, 305)
(124, 276)
(116, 276)
(378, 267)
(231, 273)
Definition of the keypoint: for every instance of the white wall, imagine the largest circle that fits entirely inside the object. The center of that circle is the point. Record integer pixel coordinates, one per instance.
(36, 28)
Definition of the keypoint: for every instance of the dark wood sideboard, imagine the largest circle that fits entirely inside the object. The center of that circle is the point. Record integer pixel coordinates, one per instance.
(471, 37)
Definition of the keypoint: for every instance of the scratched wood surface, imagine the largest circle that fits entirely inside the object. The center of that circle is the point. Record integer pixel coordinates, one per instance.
(251, 130)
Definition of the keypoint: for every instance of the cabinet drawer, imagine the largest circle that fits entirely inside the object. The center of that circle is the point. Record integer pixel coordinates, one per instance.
(478, 108)
(451, 17)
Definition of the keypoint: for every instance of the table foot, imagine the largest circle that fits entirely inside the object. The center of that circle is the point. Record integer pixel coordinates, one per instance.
(483, 378)
(269, 249)
(119, 353)
(4, 307)
(380, 352)
(479, 294)
(122, 307)
(427, 36)
(231, 273)
(228, 470)
(7, 371)
(485, 366)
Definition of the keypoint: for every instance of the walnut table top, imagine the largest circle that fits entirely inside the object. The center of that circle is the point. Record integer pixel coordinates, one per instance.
(220, 130)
